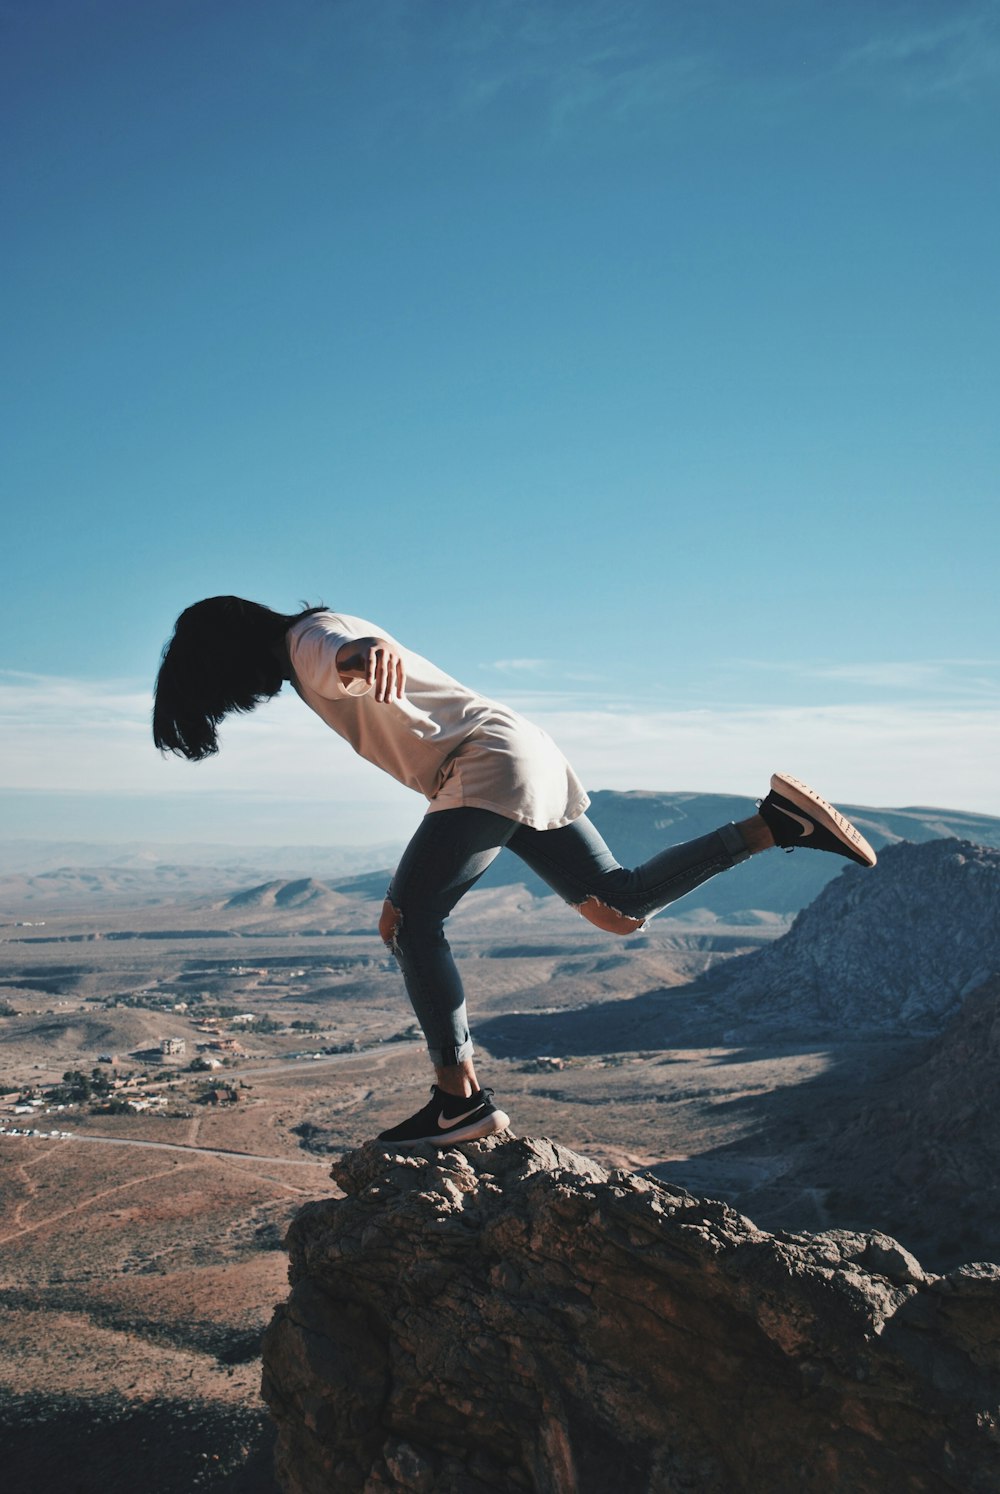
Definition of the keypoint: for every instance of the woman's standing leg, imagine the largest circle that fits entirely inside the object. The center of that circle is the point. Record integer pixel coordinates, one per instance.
(447, 855)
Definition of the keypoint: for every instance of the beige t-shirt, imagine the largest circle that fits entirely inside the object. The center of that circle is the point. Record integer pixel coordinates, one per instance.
(452, 745)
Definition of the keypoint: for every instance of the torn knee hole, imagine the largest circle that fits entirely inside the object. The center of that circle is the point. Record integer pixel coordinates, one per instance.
(608, 919)
(389, 924)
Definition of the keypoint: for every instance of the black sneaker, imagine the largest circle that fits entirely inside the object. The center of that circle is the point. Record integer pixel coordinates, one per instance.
(796, 816)
(446, 1119)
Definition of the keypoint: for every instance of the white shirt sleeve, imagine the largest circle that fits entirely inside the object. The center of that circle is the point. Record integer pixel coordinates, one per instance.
(313, 653)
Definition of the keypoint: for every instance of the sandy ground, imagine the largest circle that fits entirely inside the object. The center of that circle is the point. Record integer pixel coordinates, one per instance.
(136, 1283)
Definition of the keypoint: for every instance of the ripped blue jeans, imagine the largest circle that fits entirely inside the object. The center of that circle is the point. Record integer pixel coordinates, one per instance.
(452, 849)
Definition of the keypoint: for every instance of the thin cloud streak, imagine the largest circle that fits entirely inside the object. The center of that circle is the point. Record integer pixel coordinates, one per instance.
(970, 679)
(592, 63)
(521, 666)
(566, 73)
(925, 63)
(632, 67)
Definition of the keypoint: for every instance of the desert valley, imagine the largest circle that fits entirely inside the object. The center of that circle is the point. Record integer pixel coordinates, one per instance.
(186, 1048)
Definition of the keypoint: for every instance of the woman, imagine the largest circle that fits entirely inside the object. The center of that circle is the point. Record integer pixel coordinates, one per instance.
(491, 779)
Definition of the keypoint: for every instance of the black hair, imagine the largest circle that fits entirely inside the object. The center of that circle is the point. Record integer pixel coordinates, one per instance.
(225, 655)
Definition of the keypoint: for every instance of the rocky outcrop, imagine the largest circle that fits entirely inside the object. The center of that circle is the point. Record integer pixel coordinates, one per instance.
(508, 1316)
(894, 950)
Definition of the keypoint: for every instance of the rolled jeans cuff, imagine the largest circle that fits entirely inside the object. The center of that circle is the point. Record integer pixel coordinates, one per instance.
(446, 1058)
(734, 843)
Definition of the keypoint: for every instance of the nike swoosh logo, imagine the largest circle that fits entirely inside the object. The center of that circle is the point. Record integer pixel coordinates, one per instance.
(447, 1124)
(807, 825)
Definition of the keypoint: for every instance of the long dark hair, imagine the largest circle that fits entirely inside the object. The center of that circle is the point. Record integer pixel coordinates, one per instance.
(225, 655)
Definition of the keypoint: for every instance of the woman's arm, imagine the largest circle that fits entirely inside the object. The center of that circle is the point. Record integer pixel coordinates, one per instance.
(376, 661)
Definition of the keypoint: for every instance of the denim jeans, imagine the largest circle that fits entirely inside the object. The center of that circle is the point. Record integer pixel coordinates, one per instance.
(452, 849)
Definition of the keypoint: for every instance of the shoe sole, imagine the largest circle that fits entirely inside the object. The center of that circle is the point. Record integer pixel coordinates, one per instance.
(824, 814)
(474, 1131)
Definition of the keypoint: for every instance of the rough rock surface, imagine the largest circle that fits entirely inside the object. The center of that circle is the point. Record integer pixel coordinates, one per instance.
(508, 1316)
(894, 950)
(918, 1152)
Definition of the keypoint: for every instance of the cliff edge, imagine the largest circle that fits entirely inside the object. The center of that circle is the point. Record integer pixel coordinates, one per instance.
(509, 1316)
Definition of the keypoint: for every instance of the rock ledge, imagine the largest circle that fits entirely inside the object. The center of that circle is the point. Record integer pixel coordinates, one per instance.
(509, 1316)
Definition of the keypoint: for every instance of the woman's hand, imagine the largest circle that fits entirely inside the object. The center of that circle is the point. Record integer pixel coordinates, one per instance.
(376, 661)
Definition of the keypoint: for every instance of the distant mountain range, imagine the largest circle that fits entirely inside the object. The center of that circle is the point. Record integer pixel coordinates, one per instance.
(45, 879)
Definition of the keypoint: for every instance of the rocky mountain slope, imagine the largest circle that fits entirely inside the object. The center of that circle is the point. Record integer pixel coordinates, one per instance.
(508, 1316)
(918, 1153)
(895, 949)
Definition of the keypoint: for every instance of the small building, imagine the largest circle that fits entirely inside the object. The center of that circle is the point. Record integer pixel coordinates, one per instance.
(227, 1045)
(170, 1045)
(221, 1095)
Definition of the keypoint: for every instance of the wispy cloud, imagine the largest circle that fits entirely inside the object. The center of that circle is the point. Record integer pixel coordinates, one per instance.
(556, 74)
(566, 680)
(932, 676)
(946, 679)
(556, 69)
(958, 57)
(521, 666)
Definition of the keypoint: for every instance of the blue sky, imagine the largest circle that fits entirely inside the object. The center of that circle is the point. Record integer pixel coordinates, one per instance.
(635, 361)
